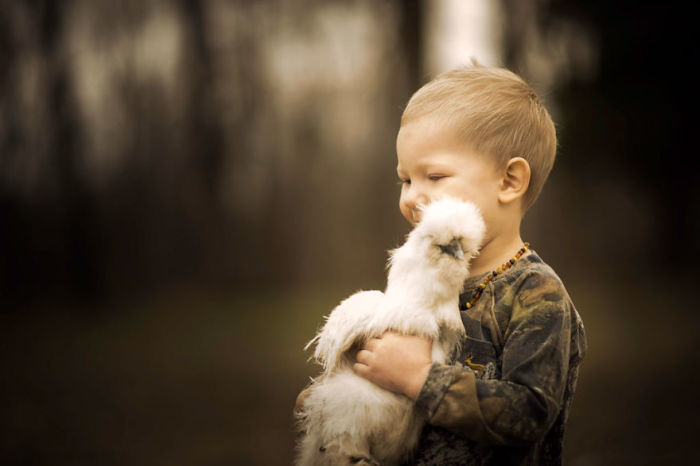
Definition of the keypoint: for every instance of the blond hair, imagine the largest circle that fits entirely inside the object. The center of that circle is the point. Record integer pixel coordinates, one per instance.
(496, 114)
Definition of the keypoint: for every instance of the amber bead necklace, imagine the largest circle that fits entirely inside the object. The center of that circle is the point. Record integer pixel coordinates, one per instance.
(498, 271)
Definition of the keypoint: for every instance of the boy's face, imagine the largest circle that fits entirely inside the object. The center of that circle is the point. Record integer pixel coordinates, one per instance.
(433, 163)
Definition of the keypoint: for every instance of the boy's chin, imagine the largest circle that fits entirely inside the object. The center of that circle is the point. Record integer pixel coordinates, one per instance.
(412, 220)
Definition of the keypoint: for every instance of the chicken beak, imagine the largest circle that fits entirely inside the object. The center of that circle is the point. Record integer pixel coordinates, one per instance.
(453, 248)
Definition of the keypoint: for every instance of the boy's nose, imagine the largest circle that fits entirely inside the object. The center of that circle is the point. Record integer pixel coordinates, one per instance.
(415, 198)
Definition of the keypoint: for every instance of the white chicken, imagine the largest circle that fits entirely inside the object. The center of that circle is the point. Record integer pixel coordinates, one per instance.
(345, 418)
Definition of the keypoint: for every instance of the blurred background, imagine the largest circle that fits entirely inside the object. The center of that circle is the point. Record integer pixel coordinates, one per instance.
(187, 187)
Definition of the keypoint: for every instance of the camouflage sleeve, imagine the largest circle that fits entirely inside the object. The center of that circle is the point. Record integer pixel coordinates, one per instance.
(522, 404)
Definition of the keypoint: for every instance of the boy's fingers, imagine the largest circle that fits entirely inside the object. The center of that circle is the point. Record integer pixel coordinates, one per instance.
(360, 369)
(363, 357)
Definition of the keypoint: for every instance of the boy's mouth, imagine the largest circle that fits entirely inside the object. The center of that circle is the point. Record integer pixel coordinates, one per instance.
(415, 215)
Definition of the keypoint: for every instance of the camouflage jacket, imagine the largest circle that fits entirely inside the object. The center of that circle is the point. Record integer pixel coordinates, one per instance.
(506, 397)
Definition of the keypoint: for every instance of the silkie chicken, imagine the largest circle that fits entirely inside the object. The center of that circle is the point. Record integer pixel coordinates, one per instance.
(347, 419)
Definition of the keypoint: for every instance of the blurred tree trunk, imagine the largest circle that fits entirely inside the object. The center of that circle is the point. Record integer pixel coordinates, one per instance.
(149, 144)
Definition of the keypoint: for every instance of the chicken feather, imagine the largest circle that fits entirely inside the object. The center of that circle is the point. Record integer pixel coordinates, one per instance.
(348, 420)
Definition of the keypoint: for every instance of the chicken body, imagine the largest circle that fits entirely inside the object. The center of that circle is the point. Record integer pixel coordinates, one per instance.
(348, 420)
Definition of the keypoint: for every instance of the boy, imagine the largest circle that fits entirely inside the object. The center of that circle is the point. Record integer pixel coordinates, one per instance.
(482, 135)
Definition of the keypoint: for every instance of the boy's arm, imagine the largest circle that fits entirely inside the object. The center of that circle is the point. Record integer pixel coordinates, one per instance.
(522, 405)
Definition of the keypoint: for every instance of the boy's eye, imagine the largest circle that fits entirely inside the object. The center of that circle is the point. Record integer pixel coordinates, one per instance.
(436, 177)
(403, 181)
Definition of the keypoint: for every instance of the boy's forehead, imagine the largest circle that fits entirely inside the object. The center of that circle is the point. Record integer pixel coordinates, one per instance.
(420, 146)
(437, 159)
(426, 127)
(427, 134)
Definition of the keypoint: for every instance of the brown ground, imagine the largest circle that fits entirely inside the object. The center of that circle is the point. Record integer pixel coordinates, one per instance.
(188, 380)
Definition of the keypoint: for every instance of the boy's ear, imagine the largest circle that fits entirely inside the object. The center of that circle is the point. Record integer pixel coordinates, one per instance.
(515, 180)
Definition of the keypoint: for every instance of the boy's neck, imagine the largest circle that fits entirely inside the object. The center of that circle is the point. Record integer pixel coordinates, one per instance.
(495, 253)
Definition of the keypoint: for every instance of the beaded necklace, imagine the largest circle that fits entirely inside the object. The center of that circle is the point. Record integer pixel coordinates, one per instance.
(492, 275)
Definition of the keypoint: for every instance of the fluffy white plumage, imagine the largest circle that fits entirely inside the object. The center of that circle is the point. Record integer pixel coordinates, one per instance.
(349, 420)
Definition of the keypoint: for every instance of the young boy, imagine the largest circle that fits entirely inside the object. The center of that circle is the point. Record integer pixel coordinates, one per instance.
(482, 135)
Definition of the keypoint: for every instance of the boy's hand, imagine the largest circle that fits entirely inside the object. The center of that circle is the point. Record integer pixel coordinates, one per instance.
(399, 363)
(299, 405)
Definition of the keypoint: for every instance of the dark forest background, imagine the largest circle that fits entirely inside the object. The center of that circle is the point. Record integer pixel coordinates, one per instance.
(187, 187)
